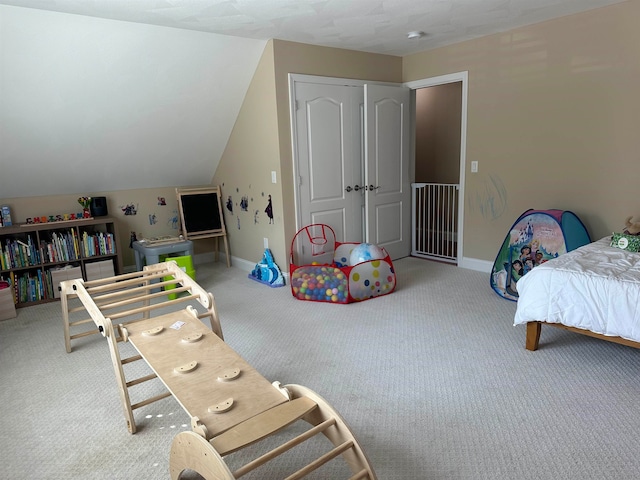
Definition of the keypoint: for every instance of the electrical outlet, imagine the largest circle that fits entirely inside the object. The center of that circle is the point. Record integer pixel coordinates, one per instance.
(266, 242)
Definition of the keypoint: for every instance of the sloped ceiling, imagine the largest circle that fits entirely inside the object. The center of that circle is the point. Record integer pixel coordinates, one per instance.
(103, 96)
(91, 105)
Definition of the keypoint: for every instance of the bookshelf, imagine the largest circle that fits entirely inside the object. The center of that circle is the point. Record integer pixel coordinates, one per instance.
(29, 253)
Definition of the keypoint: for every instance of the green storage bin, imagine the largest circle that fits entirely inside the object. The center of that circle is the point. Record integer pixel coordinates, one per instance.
(186, 264)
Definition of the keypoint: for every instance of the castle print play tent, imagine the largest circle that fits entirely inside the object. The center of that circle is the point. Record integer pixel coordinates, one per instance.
(536, 237)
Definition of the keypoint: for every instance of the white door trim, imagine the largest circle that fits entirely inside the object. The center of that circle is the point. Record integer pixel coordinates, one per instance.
(442, 80)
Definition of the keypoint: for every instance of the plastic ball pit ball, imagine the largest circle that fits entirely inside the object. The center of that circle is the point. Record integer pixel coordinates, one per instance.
(323, 283)
(366, 252)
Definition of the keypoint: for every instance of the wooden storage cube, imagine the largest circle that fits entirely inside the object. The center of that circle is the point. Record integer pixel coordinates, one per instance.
(7, 307)
(97, 270)
(61, 275)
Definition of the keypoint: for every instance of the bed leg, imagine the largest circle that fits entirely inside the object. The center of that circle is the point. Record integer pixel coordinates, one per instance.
(533, 335)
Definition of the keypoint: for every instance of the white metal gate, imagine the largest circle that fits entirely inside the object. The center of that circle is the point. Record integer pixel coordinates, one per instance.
(434, 221)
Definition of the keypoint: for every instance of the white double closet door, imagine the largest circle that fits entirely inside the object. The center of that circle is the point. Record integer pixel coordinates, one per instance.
(351, 156)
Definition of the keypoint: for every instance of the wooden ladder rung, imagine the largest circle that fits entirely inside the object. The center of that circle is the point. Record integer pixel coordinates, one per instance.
(149, 308)
(76, 309)
(284, 447)
(317, 463)
(80, 322)
(150, 400)
(126, 283)
(360, 475)
(262, 425)
(133, 358)
(140, 380)
(83, 334)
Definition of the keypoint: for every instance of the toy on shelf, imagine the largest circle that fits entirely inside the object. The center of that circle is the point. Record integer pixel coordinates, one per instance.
(631, 228)
(324, 270)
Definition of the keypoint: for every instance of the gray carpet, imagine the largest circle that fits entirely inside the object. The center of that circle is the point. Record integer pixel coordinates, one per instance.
(434, 380)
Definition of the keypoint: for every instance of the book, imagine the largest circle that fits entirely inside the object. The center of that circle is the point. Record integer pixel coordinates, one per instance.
(5, 213)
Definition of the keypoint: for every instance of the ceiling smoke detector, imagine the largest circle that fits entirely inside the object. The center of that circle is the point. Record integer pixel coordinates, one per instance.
(415, 34)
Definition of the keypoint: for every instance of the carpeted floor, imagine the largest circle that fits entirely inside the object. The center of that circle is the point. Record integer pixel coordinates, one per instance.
(433, 379)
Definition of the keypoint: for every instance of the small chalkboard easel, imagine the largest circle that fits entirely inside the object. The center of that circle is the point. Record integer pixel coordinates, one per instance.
(201, 215)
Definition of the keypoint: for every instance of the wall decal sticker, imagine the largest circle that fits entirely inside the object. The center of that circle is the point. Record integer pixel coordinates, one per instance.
(174, 220)
(269, 211)
(130, 209)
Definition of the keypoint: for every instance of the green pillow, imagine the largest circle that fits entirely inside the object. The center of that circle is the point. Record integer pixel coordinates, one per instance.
(631, 243)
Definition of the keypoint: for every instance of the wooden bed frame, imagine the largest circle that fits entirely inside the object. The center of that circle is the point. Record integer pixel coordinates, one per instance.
(534, 329)
(230, 404)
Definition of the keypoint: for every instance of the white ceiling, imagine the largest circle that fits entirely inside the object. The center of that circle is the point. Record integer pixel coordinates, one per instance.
(379, 26)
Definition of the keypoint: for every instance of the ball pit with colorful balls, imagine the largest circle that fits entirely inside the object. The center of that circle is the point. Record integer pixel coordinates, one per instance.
(341, 282)
(323, 283)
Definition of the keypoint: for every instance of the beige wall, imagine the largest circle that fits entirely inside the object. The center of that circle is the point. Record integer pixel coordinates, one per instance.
(552, 121)
(261, 141)
(151, 218)
(244, 172)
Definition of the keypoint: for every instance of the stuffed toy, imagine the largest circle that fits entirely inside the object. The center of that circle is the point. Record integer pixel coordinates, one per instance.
(631, 228)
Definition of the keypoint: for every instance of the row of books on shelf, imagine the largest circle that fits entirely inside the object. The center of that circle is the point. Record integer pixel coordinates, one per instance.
(31, 286)
(62, 247)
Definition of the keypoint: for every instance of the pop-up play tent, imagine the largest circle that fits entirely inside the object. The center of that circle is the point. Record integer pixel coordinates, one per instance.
(536, 237)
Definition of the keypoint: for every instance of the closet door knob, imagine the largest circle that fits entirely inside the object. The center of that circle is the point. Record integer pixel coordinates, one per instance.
(372, 188)
(348, 189)
(357, 187)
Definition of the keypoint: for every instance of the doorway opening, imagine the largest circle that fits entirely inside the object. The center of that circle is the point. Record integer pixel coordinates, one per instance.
(439, 108)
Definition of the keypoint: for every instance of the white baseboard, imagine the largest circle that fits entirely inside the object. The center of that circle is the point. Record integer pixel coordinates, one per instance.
(476, 264)
(244, 265)
(247, 266)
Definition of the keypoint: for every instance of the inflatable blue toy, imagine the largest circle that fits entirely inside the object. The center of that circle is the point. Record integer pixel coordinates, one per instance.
(267, 271)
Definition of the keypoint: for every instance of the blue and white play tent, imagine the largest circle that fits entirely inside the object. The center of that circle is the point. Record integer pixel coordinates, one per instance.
(536, 237)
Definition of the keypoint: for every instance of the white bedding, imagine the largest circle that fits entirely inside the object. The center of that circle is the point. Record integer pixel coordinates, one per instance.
(595, 287)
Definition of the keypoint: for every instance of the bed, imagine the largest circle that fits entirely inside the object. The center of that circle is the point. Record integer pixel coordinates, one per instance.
(593, 290)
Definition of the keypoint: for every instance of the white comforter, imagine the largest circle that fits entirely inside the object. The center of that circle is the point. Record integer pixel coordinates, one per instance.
(595, 287)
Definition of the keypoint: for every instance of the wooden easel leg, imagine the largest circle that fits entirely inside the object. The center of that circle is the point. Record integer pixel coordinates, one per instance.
(533, 335)
(226, 250)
